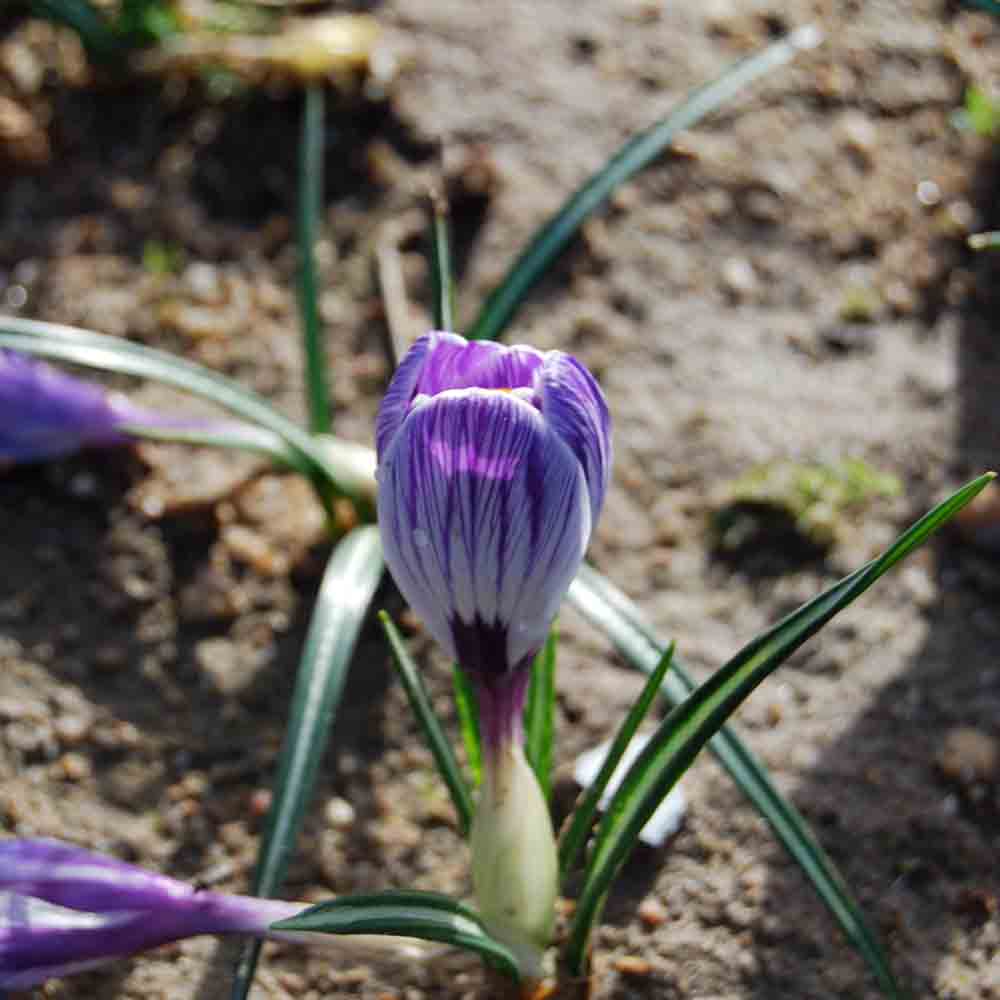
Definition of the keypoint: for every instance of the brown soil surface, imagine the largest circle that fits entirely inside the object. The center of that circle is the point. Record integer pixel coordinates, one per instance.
(152, 607)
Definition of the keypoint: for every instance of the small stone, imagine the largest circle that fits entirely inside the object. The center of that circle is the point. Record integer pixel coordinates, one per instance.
(233, 835)
(72, 729)
(632, 965)
(858, 133)
(339, 813)
(293, 982)
(74, 767)
(260, 802)
(22, 139)
(652, 912)
(21, 709)
(247, 546)
(220, 659)
(738, 277)
(110, 657)
(969, 756)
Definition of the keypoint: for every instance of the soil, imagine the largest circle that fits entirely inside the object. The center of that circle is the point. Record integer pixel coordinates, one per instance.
(153, 603)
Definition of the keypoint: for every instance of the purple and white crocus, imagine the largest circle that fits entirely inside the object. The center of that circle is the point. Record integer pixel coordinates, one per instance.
(64, 909)
(493, 463)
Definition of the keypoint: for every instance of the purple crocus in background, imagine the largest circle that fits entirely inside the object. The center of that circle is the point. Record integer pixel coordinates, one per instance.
(46, 413)
(493, 463)
(64, 909)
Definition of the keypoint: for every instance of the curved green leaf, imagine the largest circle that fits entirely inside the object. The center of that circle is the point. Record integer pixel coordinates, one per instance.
(444, 756)
(609, 609)
(575, 835)
(692, 723)
(349, 583)
(235, 436)
(310, 208)
(425, 915)
(500, 308)
(112, 354)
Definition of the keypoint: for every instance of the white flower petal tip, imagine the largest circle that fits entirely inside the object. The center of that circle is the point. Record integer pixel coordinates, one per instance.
(666, 821)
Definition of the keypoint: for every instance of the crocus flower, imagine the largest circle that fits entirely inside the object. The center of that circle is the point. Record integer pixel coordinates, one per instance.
(64, 909)
(46, 413)
(493, 463)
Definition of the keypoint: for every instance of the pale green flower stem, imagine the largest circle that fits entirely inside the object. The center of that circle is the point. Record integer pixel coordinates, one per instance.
(515, 868)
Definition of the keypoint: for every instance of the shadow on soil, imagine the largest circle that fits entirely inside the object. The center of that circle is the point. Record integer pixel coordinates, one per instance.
(914, 833)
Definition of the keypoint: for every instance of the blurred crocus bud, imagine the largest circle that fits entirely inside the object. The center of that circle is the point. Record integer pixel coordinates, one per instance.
(493, 463)
(64, 909)
(45, 413)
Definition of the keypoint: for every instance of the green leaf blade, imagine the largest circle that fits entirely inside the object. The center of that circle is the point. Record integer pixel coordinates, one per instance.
(694, 722)
(310, 208)
(539, 714)
(348, 587)
(429, 916)
(442, 273)
(444, 755)
(575, 835)
(232, 436)
(554, 236)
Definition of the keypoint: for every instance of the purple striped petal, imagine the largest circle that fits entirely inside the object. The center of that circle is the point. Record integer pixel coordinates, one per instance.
(574, 407)
(457, 363)
(439, 361)
(485, 518)
(64, 909)
(493, 465)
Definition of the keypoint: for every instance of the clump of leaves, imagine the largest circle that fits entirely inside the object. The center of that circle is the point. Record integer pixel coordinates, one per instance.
(808, 500)
(980, 113)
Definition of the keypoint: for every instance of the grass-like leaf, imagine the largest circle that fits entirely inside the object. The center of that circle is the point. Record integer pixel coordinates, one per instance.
(442, 275)
(112, 354)
(608, 608)
(691, 724)
(574, 837)
(234, 436)
(444, 755)
(502, 304)
(425, 915)
(310, 208)
(349, 583)
(539, 714)
(468, 719)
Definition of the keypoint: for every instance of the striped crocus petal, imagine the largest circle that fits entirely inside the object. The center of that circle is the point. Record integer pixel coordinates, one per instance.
(574, 407)
(485, 517)
(64, 909)
(440, 361)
